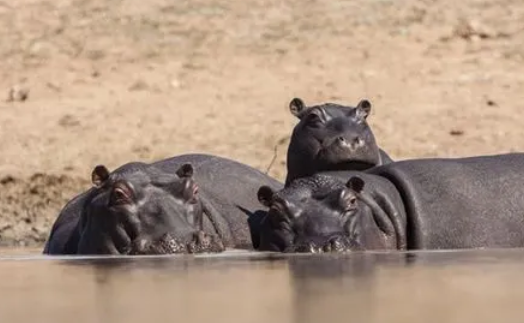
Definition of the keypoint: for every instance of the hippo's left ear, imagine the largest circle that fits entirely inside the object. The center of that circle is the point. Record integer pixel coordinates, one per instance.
(265, 195)
(363, 109)
(185, 171)
(356, 184)
(99, 175)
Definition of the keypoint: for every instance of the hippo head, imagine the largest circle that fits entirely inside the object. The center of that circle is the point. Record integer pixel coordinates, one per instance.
(138, 209)
(330, 137)
(313, 214)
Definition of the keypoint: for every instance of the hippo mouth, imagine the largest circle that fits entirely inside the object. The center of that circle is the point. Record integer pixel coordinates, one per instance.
(167, 244)
(337, 243)
(342, 156)
(354, 164)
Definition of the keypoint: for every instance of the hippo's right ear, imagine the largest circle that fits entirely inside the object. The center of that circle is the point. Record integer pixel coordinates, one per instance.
(185, 170)
(297, 106)
(265, 195)
(99, 175)
(356, 184)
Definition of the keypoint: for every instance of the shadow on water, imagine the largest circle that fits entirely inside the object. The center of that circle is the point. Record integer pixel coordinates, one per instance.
(467, 286)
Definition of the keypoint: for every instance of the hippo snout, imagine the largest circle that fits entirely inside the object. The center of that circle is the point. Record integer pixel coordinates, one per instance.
(334, 243)
(199, 242)
(351, 143)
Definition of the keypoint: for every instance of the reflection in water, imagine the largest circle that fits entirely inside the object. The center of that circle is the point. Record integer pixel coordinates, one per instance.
(336, 286)
(473, 286)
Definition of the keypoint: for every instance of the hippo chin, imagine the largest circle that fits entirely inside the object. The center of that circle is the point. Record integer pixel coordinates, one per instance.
(165, 207)
(433, 203)
(331, 137)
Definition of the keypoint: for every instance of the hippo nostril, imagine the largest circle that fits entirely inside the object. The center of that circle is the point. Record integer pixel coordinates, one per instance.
(357, 142)
(341, 140)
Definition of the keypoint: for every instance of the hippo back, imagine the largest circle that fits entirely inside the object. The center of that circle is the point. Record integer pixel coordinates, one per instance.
(461, 202)
(63, 237)
(231, 188)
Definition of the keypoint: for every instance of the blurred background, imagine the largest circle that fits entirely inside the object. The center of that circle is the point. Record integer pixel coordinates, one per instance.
(87, 82)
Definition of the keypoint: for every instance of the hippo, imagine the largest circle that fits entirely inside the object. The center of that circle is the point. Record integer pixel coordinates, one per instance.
(417, 204)
(331, 137)
(185, 204)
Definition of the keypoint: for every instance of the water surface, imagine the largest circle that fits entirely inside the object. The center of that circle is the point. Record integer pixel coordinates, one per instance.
(463, 286)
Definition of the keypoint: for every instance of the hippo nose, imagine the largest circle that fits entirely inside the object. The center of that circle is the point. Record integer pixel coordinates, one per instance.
(342, 141)
(350, 142)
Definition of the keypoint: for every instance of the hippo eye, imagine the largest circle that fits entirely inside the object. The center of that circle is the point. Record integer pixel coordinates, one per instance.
(348, 202)
(314, 120)
(277, 207)
(342, 200)
(121, 194)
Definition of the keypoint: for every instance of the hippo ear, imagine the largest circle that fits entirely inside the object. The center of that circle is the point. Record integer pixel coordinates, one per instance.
(185, 170)
(356, 184)
(297, 106)
(363, 109)
(99, 175)
(265, 195)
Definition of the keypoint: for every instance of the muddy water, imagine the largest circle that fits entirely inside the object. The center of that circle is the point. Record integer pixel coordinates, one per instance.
(471, 286)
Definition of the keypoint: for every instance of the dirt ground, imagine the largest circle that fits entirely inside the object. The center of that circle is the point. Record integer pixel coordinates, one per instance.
(106, 82)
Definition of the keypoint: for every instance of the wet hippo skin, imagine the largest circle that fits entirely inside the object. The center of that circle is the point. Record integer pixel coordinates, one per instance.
(185, 204)
(474, 202)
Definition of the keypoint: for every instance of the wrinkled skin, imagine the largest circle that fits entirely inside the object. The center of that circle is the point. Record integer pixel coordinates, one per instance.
(418, 204)
(312, 215)
(331, 137)
(160, 209)
(143, 213)
(138, 209)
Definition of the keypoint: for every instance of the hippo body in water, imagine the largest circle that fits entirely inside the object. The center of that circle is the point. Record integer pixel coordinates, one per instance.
(434, 203)
(185, 204)
(331, 137)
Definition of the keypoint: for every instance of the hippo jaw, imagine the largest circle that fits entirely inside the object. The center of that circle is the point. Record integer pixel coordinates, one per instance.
(352, 163)
(167, 244)
(294, 241)
(341, 235)
(335, 243)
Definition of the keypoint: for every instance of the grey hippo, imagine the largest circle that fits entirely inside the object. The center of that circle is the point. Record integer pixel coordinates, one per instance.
(433, 203)
(185, 204)
(331, 136)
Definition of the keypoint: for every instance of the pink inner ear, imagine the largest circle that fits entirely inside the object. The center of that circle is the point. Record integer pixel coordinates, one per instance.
(192, 194)
(190, 190)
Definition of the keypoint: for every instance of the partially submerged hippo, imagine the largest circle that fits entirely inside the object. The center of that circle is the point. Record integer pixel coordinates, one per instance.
(331, 137)
(185, 204)
(475, 202)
